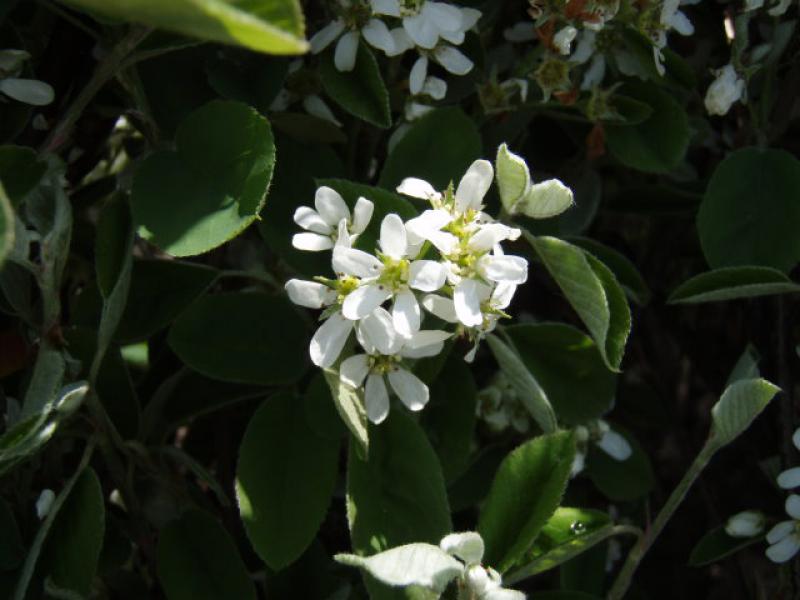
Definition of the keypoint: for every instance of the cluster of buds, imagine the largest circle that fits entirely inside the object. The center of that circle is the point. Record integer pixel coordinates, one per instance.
(447, 262)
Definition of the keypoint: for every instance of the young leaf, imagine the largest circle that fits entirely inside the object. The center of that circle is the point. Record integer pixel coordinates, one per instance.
(545, 200)
(223, 337)
(272, 26)
(569, 368)
(526, 491)
(413, 564)
(739, 405)
(438, 148)
(73, 549)
(731, 283)
(732, 232)
(528, 389)
(197, 560)
(592, 291)
(512, 175)
(284, 480)
(215, 183)
(361, 92)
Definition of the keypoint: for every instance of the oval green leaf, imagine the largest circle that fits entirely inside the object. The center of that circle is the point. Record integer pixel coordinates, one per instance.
(716, 545)
(212, 187)
(733, 283)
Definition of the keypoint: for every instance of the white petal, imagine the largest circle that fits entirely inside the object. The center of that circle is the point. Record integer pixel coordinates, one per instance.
(346, 50)
(393, 240)
(789, 478)
(681, 23)
(503, 594)
(309, 293)
(354, 369)
(745, 524)
(435, 88)
(616, 446)
(44, 502)
(363, 300)
(585, 48)
(362, 214)
(444, 16)
(474, 185)
(490, 234)
(406, 313)
(467, 546)
(784, 550)
(422, 352)
(311, 242)
(427, 275)
(378, 331)
(780, 531)
(343, 237)
(355, 262)
(29, 91)
(467, 301)
(441, 307)
(796, 438)
(511, 269)
(376, 399)
(325, 36)
(378, 36)
(502, 294)
(427, 337)
(469, 18)
(402, 41)
(595, 73)
(409, 388)
(330, 206)
(418, 74)
(329, 339)
(417, 188)
(315, 106)
(421, 31)
(793, 506)
(563, 38)
(309, 219)
(454, 37)
(453, 60)
(390, 8)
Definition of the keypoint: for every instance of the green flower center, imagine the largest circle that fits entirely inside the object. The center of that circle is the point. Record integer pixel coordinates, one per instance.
(395, 272)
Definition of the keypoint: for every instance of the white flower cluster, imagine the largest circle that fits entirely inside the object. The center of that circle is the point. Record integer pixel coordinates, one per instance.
(499, 406)
(433, 28)
(29, 91)
(726, 89)
(448, 260)
(784, 538)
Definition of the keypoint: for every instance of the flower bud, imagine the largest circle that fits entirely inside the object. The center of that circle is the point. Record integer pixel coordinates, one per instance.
(749, 523)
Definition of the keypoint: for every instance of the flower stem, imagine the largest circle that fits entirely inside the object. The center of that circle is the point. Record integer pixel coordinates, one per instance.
(637, 553)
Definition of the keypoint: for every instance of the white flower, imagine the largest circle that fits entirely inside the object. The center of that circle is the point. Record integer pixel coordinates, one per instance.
(29, 91)
(601, 434)
(312, 103)
(726, 89)
(385, 348)
(331, 223)
(44, 502)
(426, 22)
(328, 341)
(748, 523)
(669, 19)
(392, 276)
(563, 39)
(483, 583)
(784, 538)
(790, 478)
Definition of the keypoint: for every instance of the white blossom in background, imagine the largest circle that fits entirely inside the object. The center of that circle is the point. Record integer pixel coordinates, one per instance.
(670, 19)
(499, 407)
(726, 89)
(331, 223)
(28, 91)
(602, 436)
(44, 502)
(784, 538)
(748, 523)
(313, 104)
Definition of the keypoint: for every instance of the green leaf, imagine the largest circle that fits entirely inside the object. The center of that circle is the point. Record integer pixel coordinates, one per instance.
(349, 403)
(11, 549)
(568, 533)
(284, 480)
(361, 92)
(530, 393)
(657, 144)
(273, 26)
(6, 226)
(734, 229)
(473, 485)
(320, 409)
(716, 545)
(562, 595)
(732, 283)
(438, 148)
(223, 337)
(397, 495)
(21, 170)
(214, 184)
(197, 560)
(72, 552)
(525, 493)
(630, 111)
(425, 565)
(621, 481)
(739, 405)
(569, 368)
(48, 375)
(746, 367)
(512, 175)
(623, 269)
(592, 291)
(449, 417)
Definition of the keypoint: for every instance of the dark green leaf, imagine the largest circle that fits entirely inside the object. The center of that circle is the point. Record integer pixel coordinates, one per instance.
(526, 491)
(21, 170)
(716, 545)
(242, 338)
(621, 480)
(731, 283)
(750, 214)
(284, 480)
(214, 184)
(11, 549)
(623, 269)
(568, 366)
(438, 148)
(6, 226)
(361, 92)
(197, 560)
